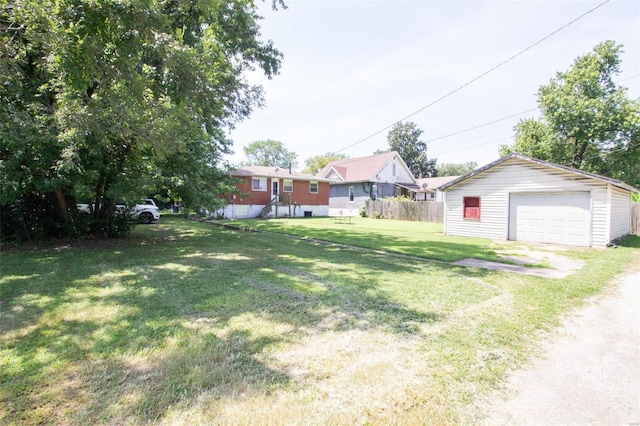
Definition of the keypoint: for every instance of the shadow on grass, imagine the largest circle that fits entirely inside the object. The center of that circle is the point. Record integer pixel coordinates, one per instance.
(128, 332)
(630, 241)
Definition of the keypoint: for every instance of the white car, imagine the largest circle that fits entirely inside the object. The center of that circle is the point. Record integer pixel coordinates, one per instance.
(145, 212)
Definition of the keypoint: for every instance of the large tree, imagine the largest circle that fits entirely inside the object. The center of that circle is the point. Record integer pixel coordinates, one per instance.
(316, 163)
(587, 121)
(270, 153)
(111, 99)
(405, 139)
(456, 169)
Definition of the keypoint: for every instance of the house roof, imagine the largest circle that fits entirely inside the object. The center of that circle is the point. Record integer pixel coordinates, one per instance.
(410, 186)
(275, 172)
(433, 183)
(614, 182)
(360, 169)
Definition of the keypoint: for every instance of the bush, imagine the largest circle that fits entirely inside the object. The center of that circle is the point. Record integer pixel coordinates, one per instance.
(32, 219)
(377, 215)
(363, 211)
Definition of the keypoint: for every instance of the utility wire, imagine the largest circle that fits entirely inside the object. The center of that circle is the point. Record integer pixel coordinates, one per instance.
(502, 119)
(480, 125)
(476, 78)
(473, 146)
(629, 78)
(496, 121)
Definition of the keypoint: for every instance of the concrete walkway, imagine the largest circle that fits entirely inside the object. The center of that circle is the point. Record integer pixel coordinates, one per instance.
(590, 374)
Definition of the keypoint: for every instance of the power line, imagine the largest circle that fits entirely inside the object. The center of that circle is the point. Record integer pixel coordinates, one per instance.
(476, 78)
(473, 146)
(480, 125)
(496, 121)
(629, 78)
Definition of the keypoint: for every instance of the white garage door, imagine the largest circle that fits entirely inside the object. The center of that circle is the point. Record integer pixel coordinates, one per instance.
(558, 218)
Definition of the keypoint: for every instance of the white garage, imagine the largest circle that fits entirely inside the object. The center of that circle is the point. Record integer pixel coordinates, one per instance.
(550, 217)
(524, 199)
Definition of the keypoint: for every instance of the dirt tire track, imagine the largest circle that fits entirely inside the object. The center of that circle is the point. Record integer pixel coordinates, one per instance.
(590, 373)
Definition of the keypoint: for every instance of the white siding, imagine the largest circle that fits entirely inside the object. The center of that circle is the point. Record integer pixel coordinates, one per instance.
(494, 185)
(244, 211)
(620, 212)
(403, 175)
(599, 216)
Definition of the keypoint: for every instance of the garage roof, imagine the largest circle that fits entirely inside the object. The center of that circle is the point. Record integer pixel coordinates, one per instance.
(614, 182)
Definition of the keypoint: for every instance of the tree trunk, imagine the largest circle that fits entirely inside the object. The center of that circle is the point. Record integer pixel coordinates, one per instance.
(61, 206)
(577, 159)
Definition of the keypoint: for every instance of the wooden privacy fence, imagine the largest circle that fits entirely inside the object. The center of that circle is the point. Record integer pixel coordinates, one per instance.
(635, 218)
(424, 211)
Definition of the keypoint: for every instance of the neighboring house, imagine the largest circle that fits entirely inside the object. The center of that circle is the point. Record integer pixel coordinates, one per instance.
(429, 188)
(355, 180)
(524, 199)
(274, 192)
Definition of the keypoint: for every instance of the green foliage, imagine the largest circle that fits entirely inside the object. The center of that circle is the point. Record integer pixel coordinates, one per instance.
(587, 121)
(269, 153)
(107, 100)
(405, 139)
(363, 211)
(315, 164)
(399, 198)
(456, 169)
(377, 215)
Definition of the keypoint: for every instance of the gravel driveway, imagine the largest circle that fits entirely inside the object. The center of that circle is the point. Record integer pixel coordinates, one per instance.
(590, 373)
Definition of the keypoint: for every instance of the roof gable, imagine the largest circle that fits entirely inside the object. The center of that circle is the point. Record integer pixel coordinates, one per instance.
(525, 159)
(363, 169)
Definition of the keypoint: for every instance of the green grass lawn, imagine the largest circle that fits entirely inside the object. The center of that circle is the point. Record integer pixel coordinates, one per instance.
(422, 239)
(188, 323)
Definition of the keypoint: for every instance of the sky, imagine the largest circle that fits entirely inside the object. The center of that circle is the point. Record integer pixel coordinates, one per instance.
(351, 69)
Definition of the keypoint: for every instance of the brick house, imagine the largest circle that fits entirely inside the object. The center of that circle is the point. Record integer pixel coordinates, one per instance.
(275, 192)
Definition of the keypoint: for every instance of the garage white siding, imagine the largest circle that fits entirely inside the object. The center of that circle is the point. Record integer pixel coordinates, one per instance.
(620, 212)
(551, 217)
(600, 216)
(552, 203)
(494, 187)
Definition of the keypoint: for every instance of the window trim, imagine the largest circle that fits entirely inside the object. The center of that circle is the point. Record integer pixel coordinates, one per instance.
(469, 212)
(311, 183)
(352, 194)
(284, 185)
(374, 192)
(260, 180)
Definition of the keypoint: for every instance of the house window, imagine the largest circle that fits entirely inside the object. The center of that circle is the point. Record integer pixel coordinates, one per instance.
(393, 169)
(374, 192)
(259, 184)
(313, 187)
(398, 191)
(287, 185)
(471, 207)
(352, 194)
